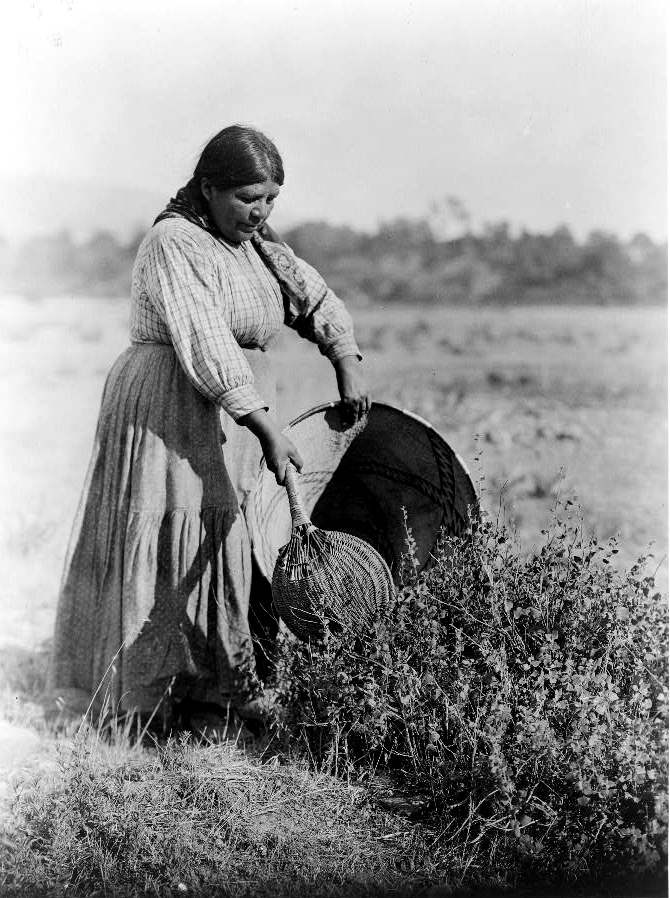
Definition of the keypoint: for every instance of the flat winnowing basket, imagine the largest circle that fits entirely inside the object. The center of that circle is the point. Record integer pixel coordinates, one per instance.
(326, 577)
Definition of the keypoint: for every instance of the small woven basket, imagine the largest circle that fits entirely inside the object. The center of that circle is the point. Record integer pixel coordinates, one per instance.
(326, 578)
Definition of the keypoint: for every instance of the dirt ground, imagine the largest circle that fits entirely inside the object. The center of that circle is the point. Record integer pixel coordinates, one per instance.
(537, 401)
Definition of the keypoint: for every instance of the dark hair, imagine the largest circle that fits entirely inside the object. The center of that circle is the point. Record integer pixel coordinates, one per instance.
(239, 155)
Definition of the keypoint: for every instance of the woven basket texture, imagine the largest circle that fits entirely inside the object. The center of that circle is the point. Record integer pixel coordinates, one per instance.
(326, 577)
(359, 479)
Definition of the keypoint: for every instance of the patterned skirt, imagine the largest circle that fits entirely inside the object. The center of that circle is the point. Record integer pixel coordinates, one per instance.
(155, 594)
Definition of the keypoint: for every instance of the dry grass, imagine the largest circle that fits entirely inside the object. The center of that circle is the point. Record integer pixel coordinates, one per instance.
(107, 817)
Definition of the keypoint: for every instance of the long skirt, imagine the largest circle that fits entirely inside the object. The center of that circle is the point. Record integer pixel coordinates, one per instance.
(155, 593)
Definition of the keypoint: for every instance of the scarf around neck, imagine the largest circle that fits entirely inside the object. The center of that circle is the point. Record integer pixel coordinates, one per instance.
(190, 204)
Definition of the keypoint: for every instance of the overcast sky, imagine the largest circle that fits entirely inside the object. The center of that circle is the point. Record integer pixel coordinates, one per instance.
(538, 111)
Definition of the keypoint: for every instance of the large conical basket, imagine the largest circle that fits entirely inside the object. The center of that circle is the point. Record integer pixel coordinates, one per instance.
(374, 480)
(326, 578)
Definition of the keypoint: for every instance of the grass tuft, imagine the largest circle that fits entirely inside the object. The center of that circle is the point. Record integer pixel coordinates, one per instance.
(117, 819)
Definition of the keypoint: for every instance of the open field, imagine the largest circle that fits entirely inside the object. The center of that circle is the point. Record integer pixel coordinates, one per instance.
(537, 401)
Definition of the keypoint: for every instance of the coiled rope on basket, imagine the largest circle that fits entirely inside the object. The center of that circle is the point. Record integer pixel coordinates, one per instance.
(325, 577)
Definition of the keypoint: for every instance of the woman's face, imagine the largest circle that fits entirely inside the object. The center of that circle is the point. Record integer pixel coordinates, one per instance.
(239, 211)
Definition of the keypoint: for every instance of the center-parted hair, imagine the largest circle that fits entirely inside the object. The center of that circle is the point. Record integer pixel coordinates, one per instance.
(239, 155)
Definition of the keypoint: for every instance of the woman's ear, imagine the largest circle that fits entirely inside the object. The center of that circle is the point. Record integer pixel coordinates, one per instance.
(206, 188)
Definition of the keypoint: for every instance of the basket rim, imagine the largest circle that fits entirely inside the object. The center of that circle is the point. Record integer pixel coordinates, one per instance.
(394, 408)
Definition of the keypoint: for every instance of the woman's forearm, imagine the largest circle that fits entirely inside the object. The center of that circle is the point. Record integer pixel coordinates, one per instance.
(261, 424)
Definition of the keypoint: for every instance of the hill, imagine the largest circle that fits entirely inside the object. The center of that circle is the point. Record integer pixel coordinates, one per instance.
(36, 205)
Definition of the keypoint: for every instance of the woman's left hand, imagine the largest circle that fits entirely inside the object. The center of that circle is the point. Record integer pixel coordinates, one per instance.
(354, 394)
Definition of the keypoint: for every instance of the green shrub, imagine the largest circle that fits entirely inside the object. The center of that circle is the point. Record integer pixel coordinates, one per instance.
(527, 695)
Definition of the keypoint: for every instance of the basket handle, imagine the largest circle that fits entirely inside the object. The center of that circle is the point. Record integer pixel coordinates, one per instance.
(298, 513)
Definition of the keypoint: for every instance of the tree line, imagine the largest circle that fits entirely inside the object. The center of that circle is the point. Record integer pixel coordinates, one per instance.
(405, 260)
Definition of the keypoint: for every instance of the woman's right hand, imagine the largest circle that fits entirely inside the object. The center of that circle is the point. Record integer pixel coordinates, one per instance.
(278, 450)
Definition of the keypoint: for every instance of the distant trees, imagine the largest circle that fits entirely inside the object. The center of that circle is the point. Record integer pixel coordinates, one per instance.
(411, 260)
(436, 259)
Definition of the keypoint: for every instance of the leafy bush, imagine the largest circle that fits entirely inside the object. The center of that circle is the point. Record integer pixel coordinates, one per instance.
(527, 695)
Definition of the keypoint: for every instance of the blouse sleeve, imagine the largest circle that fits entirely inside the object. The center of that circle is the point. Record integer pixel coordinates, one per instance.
(325, 319)
(186, 291)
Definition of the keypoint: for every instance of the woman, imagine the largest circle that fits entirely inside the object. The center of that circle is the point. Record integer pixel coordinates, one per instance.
(154, 603)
